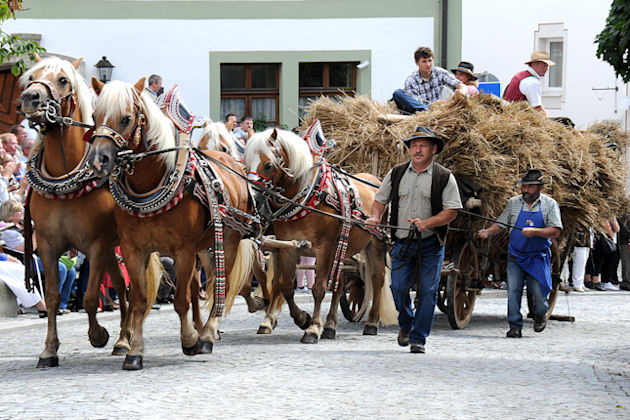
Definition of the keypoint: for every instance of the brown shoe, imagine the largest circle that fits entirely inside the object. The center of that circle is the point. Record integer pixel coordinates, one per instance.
(403, 338)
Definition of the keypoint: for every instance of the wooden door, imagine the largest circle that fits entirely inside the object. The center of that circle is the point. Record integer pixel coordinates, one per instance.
(9, 97)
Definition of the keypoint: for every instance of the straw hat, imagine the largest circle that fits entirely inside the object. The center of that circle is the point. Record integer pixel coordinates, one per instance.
(540, 56)
(466, 67)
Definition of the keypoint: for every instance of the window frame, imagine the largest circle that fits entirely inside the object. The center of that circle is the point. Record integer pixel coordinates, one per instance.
(553, 96)
(326, 89)
(248, 93)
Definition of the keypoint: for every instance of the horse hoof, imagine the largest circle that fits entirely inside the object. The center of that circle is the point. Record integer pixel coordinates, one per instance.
(329, 333)
(206, 347)
(48, 362)
(306, 323)
(119, 351)
(370, 330)
(195, 349)
(100, 344)
(263, 330)
(275, 324)
(132, 363)
(309, 338)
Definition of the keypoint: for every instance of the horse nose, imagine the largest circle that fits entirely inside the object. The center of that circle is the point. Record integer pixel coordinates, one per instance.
(33, 98)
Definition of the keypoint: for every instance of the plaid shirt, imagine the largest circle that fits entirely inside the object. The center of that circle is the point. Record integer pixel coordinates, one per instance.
(544, 203)
(429, 91)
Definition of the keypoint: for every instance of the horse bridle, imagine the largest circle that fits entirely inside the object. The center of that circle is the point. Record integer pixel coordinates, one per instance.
(52, 110)
(130, 141)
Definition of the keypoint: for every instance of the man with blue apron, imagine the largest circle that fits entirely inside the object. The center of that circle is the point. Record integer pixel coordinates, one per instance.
(533, 218)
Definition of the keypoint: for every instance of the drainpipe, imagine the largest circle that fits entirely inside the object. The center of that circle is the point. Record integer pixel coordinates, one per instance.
(444, 33)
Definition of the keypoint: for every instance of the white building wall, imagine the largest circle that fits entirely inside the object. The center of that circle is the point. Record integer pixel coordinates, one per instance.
(498, 36)
(178, 49)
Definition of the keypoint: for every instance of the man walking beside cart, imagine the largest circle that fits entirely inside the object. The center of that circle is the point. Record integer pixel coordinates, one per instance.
(533, 218)
(424, 194)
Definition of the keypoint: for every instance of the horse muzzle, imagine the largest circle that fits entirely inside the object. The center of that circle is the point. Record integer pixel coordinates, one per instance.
(102, 158)
(33, 99)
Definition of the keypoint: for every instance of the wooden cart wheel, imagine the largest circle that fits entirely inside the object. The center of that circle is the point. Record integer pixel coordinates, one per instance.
(351, 296)
(460, 298)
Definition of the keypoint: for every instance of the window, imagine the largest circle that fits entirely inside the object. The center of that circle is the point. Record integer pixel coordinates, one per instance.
(327, 79)
(552, 37)
(250, 89)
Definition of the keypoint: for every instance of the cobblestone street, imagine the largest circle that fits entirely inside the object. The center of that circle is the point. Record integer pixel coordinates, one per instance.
(571, 370)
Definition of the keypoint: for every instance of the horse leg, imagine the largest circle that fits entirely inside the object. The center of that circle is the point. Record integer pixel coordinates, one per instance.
(49, 257)
(273, 308)
(121, 347)
(330, 327)
(323, 266)
(184, 263)
(136, 262)
(375, 253)
(210, 331)
(97, 334)
(194, 300)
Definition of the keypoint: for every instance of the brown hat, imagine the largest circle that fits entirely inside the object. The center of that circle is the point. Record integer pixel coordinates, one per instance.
(425, 133)
(540, 56)
(466, 67)
(532, 177)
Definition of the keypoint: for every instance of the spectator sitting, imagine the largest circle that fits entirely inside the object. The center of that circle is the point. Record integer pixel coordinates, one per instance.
(11, 211)
(245, 130)
(10, 145)
(424, 86)
(12, 273)
(465, 74)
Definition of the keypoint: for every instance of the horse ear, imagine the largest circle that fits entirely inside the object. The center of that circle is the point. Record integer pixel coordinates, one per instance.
(37, 57)
(97, 85)
(274, 134)
(140, 84)
(77, 62)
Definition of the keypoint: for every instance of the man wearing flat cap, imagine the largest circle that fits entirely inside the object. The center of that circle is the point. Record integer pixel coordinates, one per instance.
(424, 199)
(525, 85)
(533, 218)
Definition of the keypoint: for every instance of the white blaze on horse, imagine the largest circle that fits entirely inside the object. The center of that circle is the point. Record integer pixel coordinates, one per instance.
(174, 201)
(282, 162)
(67, 206)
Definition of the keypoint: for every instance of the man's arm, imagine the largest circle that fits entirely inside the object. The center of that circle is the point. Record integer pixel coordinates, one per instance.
(491, 231)
(444, 217)
(376, 215)
(547, 232)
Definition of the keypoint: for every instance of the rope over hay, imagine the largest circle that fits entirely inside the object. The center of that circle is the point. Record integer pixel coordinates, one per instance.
(491, 142)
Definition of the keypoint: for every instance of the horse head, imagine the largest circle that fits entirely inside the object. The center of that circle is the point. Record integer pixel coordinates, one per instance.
(54, 88)
(217, 137)
(279, 161)
(126, 119)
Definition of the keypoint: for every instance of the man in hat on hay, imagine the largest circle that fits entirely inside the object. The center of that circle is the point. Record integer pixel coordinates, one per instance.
(533, 218)
(465, 73)
(525, 85)
(418, 252)
(424, 86)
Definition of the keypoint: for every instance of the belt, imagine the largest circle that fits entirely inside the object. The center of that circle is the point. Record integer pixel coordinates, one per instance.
(429, 238)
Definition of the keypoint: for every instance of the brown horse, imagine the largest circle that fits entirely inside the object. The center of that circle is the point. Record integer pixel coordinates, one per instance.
(177, 224)
(67, 210)
(282, 161)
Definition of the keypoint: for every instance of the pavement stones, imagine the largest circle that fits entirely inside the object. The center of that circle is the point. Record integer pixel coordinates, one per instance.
(570, 370)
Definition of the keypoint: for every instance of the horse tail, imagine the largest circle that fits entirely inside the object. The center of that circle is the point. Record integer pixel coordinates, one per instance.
(153, 277)
(388, 313)
(241, 271)
(28, 243)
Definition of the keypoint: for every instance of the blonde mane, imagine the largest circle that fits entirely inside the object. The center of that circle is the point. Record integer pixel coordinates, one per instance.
(214, 132)
(298, 153)
(118, 97)
(56, 65)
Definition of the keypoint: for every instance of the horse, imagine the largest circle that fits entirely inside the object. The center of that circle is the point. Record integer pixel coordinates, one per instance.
(215, 136)
(161, 207)
(68, 207)
(282, 162)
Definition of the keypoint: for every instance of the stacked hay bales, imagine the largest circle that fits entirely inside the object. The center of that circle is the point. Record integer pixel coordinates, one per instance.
(491, 142)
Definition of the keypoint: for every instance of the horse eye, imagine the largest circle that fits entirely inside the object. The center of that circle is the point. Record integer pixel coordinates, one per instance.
(63, 81)
(268, 166)
(125, 120)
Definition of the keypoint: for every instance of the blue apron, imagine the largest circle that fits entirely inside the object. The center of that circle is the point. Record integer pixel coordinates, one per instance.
(533, 254)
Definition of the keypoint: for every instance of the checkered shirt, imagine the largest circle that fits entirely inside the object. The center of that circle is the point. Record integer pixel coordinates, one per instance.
(429, 91)
(549, 207)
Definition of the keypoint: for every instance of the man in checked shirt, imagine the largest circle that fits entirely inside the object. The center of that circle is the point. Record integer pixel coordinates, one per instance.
(424, 86)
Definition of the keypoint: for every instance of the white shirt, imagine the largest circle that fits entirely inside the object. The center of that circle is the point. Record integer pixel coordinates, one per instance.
(531, 88)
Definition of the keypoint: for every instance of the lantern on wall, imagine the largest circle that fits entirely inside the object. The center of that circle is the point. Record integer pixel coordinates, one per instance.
(104, 69)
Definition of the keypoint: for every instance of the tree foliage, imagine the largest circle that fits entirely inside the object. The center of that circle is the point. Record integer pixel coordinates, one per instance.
(12, 47)
(614, 41)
